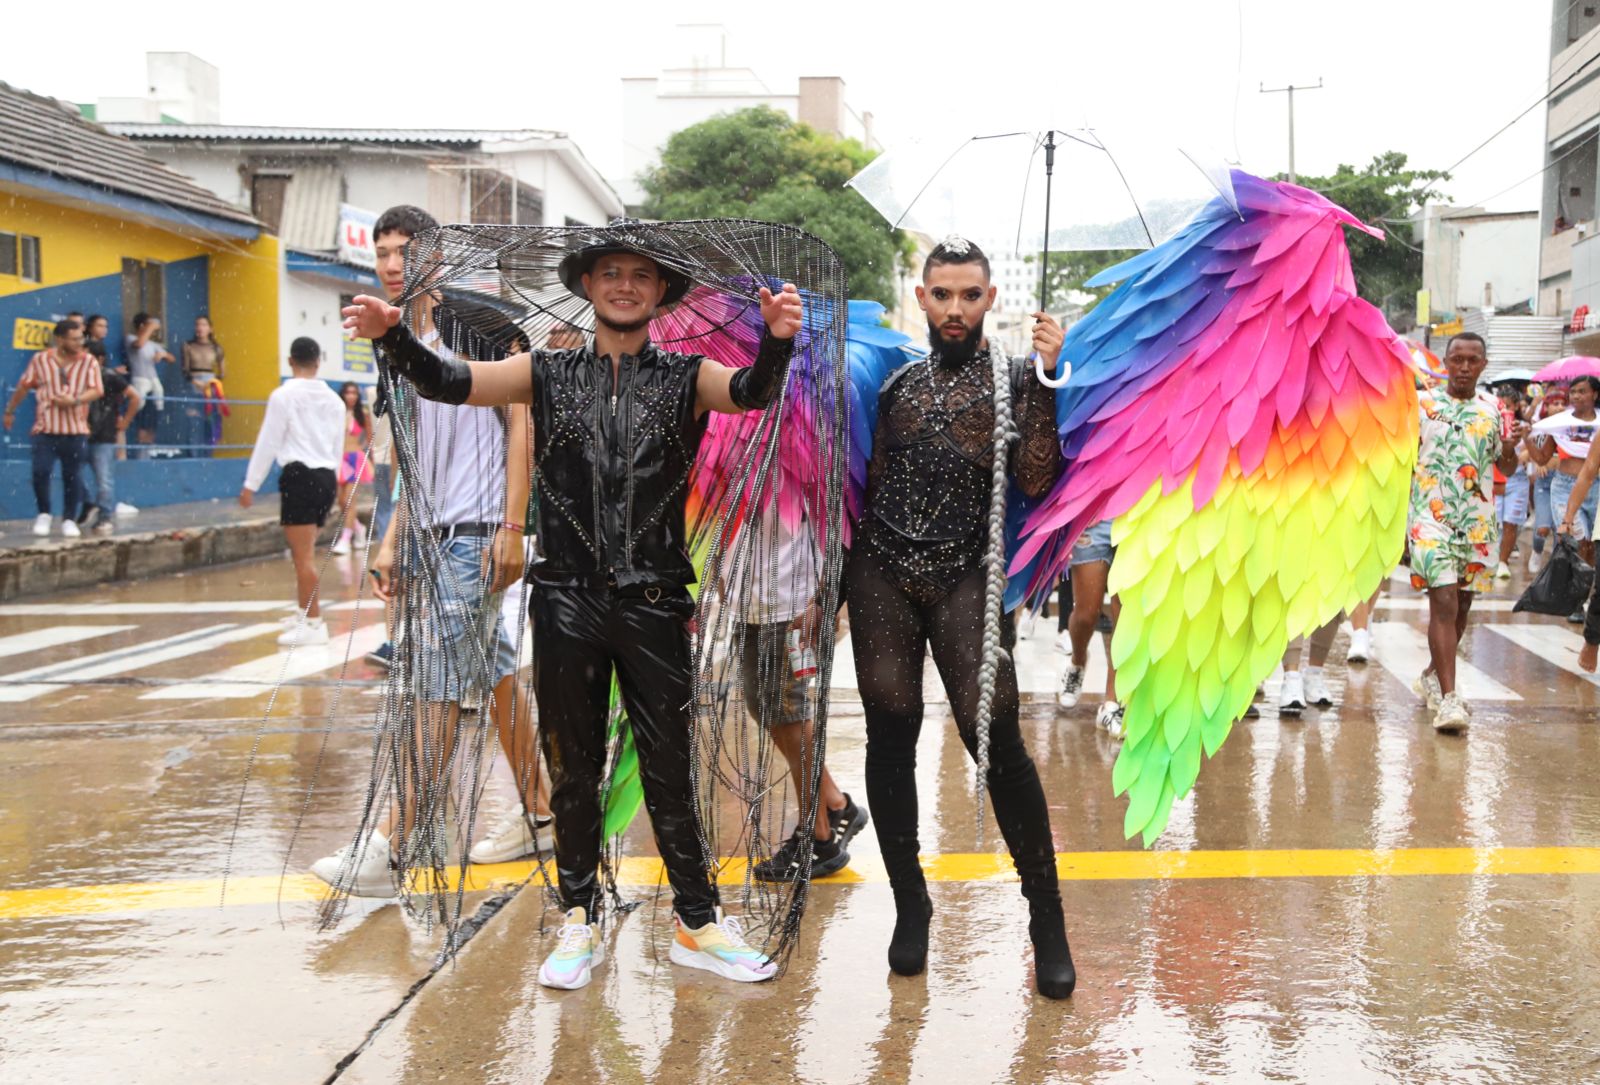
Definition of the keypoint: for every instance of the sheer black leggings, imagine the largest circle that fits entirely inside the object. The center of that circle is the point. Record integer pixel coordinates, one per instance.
(891, 632)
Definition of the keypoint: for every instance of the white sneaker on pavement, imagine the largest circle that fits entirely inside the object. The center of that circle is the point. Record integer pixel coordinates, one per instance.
(371, 874)
(69, 529)
(1071, 686)
(1360, 646)
(125, 509)
(41, 524)
(1292, 694)
(304, 633)
(578, 950)
(1452, 714)
(341, 545)
(1108, 718)
(1426, 686)
(1535, 563)
(1064, 643)
(1502, 571)
(511, 838)
(1316, 689)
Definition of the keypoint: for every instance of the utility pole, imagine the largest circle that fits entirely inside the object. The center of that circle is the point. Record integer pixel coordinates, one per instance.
(1289, 90)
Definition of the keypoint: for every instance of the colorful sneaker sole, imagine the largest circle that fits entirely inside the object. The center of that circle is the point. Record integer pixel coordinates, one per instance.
(580, 977)
(710, 962)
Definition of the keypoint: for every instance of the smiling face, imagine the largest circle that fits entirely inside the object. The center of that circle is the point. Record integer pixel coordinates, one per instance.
(625, 288)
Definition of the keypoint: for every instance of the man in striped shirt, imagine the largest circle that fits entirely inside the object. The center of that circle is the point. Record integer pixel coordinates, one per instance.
(64, 381)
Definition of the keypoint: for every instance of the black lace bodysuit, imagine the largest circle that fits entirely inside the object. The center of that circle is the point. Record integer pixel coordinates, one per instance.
(927, 518)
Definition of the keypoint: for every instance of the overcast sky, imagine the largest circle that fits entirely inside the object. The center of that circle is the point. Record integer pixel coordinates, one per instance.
(1432, 79)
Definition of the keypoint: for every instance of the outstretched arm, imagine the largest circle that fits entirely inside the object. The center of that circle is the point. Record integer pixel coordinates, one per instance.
(734, 390)
(480, 384)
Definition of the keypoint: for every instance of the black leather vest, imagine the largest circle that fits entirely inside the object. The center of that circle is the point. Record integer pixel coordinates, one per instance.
(612, 458)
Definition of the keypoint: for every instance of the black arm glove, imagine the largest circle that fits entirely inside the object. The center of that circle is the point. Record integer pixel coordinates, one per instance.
(436, 378)
(754, 386)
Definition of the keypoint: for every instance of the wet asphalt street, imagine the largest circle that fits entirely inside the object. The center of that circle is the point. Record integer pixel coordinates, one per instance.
(1347, 897)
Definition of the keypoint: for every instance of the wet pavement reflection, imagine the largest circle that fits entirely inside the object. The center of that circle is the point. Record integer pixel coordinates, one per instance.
(128, 715)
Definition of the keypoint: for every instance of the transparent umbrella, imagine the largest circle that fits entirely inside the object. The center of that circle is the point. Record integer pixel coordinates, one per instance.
(1052, 189)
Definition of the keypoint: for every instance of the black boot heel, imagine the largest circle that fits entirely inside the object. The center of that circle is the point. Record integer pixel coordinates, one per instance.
(1053, 972)
(908, 948)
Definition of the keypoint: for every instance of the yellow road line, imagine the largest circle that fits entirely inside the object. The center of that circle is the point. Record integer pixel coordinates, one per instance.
(1073, 866)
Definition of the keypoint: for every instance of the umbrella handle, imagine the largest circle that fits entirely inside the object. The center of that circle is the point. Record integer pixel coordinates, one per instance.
(1064, 366)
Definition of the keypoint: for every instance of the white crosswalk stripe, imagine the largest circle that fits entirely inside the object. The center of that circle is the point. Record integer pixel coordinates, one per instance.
(36, 639)
(28, 684)
(1552, 643)
(258, 676)
(118, 610)
(1403, 651)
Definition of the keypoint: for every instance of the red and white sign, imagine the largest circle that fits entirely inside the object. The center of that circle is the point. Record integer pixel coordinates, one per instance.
(355, 236)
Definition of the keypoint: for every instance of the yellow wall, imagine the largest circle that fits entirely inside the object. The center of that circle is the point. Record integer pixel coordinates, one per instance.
(76, 245)
(244, 290)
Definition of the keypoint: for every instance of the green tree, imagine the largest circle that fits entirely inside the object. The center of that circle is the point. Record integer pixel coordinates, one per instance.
(1384, 194)
(758, 163)
(1070, 270)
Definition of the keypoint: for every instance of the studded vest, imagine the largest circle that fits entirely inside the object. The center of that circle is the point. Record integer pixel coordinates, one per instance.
(612, 457)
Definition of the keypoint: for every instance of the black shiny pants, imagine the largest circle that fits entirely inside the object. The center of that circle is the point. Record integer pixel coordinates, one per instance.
(579, 636)
(891, 633)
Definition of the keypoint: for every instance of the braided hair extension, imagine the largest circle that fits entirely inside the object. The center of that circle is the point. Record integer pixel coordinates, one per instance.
(994, 559)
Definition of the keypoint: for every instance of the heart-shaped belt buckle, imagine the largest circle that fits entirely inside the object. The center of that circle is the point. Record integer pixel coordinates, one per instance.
(653, 594)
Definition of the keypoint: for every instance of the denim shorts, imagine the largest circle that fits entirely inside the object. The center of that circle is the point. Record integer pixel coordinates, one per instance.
(1561, 487)
(1093, 545)
(467, 627)
(1511, 507)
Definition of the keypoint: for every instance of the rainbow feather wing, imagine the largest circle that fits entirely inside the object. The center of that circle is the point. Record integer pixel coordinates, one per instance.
(1249, 424)
(872, 352)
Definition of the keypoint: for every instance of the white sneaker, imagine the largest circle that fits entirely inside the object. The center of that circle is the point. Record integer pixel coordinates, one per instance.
(1317, 688)
(125, 509)
(1071, 686)
(1360, 646)
(303, 633)
(1108, 718)
(1452, 714)
(69, 529)
(511, 838)
(41, 524)
(578, 950)
(1426, 686)
(341, 545)
(1502, 571)
(1064, 643)
(1535, 563)
(1292, 694)
(719, 947)
(370, 876)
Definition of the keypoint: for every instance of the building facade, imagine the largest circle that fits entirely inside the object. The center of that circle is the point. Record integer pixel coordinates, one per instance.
(89, 223)
(1567, 218)
(321, 189)
(1477, 259)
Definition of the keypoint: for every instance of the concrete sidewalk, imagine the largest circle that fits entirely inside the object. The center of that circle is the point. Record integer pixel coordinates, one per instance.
(165, 539)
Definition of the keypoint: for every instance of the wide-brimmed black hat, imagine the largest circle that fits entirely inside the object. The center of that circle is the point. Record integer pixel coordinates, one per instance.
(578, 263)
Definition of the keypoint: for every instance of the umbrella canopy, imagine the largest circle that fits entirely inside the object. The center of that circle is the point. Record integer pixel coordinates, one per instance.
(1516, 376)
(1565, 369)
(1106, 192)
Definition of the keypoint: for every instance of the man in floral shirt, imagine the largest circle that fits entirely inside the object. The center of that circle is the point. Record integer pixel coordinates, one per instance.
(1452, 523)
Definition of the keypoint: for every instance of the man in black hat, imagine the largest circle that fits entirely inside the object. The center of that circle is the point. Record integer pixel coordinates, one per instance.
(617, 424)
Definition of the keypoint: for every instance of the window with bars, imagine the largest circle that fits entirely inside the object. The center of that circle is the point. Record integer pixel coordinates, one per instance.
(20, 256)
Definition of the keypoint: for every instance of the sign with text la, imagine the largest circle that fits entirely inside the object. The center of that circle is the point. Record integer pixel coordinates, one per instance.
(355, 236)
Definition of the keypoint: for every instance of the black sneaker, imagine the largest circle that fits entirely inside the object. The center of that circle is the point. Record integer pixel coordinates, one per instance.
(90, 517)
(847, 821)
(827, 857)
(382, 655)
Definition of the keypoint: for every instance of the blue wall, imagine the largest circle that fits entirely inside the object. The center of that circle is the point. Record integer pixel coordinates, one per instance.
(143, 483)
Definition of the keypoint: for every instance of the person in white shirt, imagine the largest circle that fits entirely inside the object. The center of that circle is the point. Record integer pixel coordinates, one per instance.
(304, 431)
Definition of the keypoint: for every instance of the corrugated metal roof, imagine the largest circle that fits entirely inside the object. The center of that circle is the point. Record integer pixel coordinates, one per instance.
(1516, 342)
(273, 133)
(40, 133)
(311, 207)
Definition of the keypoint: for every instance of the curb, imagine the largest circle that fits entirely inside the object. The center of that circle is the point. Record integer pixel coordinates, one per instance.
(83, 563)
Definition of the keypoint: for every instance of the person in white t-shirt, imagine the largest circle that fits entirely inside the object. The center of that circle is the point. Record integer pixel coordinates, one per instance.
(304, 432)
(782, 621)
(468, 487)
